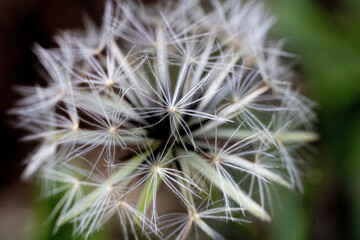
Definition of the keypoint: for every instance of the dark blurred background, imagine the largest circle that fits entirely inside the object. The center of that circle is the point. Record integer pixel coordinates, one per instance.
(325, 34)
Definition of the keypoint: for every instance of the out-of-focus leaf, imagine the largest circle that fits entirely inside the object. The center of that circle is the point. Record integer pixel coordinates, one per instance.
(289, 222)
(328, 47)
(353, 179)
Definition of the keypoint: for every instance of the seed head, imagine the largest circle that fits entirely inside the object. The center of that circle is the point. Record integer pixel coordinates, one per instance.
(188, 96)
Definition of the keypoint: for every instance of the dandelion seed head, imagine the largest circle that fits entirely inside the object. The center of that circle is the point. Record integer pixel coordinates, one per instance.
(187, 96)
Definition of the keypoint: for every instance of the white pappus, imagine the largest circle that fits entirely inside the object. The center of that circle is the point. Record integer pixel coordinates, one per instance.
(184, 100)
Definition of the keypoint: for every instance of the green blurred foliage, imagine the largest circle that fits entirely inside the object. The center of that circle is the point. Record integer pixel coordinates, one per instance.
(326, 37)
(328, 45)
